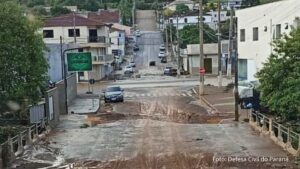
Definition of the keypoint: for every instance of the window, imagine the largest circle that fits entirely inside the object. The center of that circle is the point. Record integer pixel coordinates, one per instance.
(171, 20)
(48, 34)
(255, 34)
(80, 73)
(278, 31)
(185, 20)
(71, 32)
(242, 35)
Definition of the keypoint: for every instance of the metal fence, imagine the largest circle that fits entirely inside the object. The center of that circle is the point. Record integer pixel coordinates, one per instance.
(280, 134)
(14, 146)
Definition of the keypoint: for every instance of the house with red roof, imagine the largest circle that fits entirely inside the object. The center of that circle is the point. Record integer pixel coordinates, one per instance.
(91, 35)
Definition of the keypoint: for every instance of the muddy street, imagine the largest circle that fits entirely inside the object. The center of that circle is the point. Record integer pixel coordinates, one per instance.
(161, 132)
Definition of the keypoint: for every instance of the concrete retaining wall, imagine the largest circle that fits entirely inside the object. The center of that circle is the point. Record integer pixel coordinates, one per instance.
(281, 135)
(14, 146)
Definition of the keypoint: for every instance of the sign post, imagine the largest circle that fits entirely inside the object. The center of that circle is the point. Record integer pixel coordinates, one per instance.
(202, 71)
(79, 61)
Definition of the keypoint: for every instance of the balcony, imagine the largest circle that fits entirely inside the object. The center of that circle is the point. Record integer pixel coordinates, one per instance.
(104, 59)
(96, 39)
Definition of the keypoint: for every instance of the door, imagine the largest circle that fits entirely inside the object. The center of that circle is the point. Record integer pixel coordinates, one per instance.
(93, 36)
(208, 65)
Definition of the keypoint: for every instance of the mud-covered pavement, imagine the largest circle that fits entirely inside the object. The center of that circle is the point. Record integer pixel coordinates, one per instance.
(157, 132)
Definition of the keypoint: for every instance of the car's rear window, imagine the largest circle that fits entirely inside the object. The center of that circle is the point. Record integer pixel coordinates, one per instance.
(113, 89)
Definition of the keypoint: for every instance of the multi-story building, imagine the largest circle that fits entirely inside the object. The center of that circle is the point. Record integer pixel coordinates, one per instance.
(257, 27)
(91, 35)
(117, 44)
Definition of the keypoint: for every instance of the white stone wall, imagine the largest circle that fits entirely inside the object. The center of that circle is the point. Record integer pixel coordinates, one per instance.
(265, 17)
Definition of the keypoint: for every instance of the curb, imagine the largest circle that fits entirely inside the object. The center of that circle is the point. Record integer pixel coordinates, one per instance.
(206, 102)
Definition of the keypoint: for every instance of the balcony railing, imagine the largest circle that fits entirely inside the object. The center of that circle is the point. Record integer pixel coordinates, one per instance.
(97, 39)
(103, 58)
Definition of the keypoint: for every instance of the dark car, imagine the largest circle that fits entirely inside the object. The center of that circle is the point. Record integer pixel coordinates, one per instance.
(113, 94)
(152, 63)
(169, 71)
(136, 48)
(163, 60)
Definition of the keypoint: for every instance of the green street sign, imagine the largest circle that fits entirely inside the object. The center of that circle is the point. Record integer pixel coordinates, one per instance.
(79, 61)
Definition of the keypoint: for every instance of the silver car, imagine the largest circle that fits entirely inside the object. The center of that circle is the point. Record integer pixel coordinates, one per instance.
(113, 94)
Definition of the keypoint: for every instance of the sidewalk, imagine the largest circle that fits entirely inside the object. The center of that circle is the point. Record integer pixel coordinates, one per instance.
(222, 101)
(84, 106)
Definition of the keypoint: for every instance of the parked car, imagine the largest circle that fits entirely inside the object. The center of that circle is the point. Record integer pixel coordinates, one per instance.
(132, 64)
(169, 71)
(163, 60)
(113, 94)
(128, 69)
(152, 63)
(137, 33)
(136, 48)
(162, 47)
(161, 54)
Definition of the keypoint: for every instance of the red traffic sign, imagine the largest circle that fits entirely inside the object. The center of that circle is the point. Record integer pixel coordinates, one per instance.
(202, 71)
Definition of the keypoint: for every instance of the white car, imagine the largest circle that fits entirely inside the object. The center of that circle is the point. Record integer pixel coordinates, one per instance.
(162, 47)
(132, 64)
(161, 54)
(138, 33)
(128, 69)
(245, 88)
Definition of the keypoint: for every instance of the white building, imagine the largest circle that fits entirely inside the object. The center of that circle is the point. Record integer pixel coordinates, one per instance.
(214, 15)
(210, 58)
(93, 36)
(117, 44)
(257, 27)
(235, 4)
(188, 20)
(210, 19)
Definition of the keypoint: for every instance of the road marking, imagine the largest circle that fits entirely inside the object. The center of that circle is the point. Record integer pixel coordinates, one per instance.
(149, 94)
(178, 94)
(189, 94)
(224, 104)
(171, 94)
(183, 94)
(142, 95)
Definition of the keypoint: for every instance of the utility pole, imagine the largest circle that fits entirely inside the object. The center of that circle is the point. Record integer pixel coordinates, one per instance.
(230, 44)
(235, 52)
(219, 45)
(133, 15)
(167, 37)
(171, 37)
(74, 29)
(178, 49)
(201, 86)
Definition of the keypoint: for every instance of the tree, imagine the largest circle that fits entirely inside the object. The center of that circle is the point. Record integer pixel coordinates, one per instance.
(168, 12)
(125, 8)
(190, 35)
(280, 77)
(58, 10)
(22, 63)
(182, 9)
